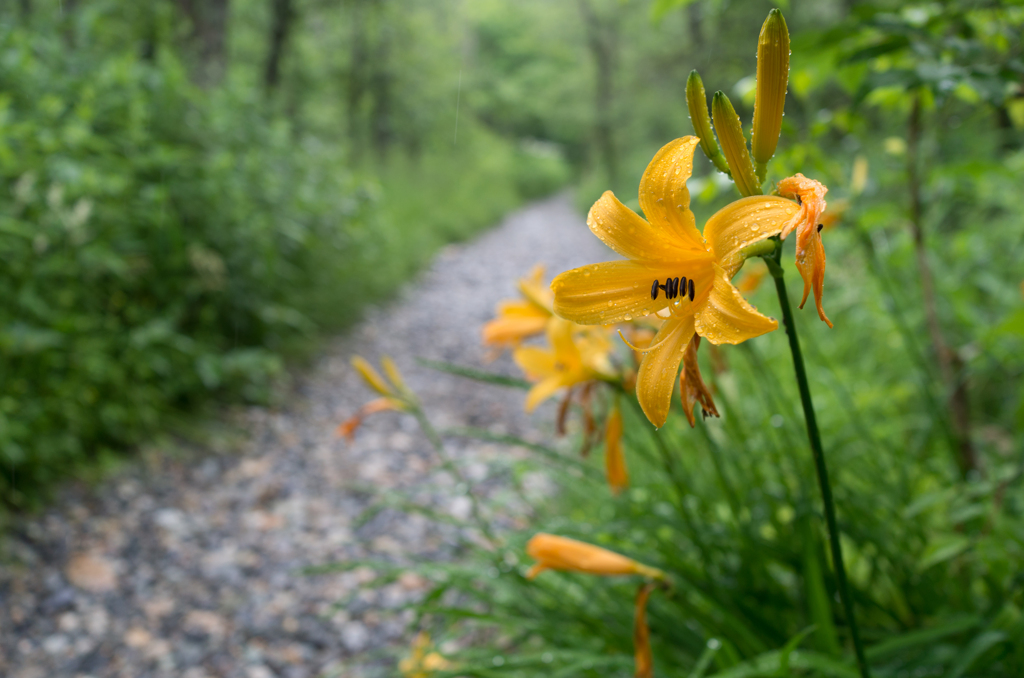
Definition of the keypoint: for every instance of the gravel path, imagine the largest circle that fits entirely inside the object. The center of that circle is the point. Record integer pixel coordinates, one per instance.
(186, 564)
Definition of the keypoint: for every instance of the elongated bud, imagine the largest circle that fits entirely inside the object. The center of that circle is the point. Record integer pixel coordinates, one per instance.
(614, 459)
(642, 634)
(394, 375)
(734, 144)
(569, 555)
(371, 376)
(697, 102)
(772, 79)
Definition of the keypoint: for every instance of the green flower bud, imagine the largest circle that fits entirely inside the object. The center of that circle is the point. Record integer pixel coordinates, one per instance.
(697, 102)
(734, 144)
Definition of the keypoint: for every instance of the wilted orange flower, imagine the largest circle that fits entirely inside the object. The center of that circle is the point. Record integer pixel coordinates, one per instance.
(569, 555)
(692, 386)
(571, 359)
(671, 268)
(518, 319)
(810, 253)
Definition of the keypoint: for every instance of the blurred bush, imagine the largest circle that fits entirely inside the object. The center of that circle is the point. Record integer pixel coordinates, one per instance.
(164, 244)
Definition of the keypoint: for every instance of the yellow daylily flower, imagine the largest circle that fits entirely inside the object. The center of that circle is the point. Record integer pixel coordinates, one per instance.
(570, 555)
(671, 268)
(518, 319)
(569, 360)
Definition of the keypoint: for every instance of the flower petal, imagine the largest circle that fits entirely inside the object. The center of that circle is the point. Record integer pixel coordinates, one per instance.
(664, 197)
(543, 390)
(627, 233)
(810, 261)
(657, 376)
(727, 318)
(536, 362)
(744, 222)
(513, 327)
(617, 291)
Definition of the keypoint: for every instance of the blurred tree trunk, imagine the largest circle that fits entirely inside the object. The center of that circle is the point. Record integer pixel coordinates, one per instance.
(370, 80)
(602, 39)
(355, 81)
(951, 367)
(209, 36)
(381, 81)
(282, 18)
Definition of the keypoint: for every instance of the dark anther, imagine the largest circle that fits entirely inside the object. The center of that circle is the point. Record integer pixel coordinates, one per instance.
(820, 226)
(675, 287)
(691, 289)
(799, 201)
(682, 286)
(654, 290)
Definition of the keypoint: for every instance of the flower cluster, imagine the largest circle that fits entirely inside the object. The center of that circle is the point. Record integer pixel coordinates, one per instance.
(672, 289)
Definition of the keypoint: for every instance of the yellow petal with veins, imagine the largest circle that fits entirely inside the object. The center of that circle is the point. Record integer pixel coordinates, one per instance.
(727, 318)
(657, 376)
(743, 223)
(626, 232)
(617, 291)
(664, 197)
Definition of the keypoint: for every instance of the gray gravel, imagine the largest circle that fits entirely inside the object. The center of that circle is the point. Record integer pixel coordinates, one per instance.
(187, 563)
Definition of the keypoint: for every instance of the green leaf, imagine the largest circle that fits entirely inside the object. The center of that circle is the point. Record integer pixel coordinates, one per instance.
(942, 549)
(973, 651)
(922, 637)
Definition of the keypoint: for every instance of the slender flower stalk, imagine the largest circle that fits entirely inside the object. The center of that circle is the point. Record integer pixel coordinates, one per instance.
(818, 453)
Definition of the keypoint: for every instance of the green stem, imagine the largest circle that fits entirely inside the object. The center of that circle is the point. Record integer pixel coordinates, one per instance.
(819, 457)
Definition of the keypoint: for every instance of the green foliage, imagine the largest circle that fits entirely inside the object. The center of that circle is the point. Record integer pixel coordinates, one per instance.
(165, 245)
(731, 509)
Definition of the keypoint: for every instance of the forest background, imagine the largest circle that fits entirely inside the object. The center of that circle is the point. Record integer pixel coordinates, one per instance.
(195, 192)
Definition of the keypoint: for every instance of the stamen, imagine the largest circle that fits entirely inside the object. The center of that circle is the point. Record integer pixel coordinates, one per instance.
(654, 290)
(691, 289)
(644, 350)
(820, 226)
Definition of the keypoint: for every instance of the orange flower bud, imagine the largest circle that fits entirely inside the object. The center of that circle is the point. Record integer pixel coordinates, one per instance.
(614, 459)
(569, 555)
(641, 634)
